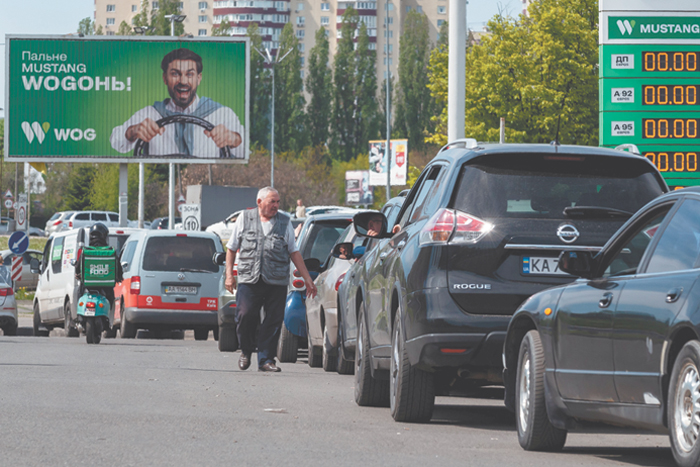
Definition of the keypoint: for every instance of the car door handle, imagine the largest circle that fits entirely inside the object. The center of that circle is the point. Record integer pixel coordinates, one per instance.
(401, 244)
(674, 294)
(606, 300)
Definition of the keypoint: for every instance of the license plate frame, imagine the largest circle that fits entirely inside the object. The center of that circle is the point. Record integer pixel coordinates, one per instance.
(541, 266)
(180, 290)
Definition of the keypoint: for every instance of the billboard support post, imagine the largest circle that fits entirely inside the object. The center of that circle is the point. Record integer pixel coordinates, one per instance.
(171, 198)
(141, 190)
(123, 193)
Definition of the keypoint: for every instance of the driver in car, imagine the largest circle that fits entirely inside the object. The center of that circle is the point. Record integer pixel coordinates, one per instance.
(182, 74)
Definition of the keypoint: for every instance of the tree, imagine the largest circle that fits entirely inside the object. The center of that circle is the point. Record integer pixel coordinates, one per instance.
(86, 27)
(260, 89)
(437, 84)
(538, 72)
(289, 97)
(367, 118)
(124, 29)
(319, 85)
(413, 96)
(77, 194)
(161, 25)
(343, 117)
(141, 19)
(224, 28)
(99, 31)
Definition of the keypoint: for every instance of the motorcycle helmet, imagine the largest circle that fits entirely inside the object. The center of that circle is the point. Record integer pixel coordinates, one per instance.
(98, 234)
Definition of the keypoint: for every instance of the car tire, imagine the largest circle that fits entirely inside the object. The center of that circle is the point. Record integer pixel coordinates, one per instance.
(10, 330)
(127, 329)
(68, 325)
(228, 339)
(215, 332)
(343, 366)
(411, 391)
(535, 431)
(37, 323)
(315, 353)
(368, 391)
(683, 417)
(201, 334)
(329, 359)
(287, 346)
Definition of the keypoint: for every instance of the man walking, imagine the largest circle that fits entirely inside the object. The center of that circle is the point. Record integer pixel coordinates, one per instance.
(266, 242)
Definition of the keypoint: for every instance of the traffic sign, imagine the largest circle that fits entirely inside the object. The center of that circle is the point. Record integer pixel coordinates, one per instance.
(191, 216)
(22, 217)
(8, 203)
(16, 268)
(19, 242)
(8, 194)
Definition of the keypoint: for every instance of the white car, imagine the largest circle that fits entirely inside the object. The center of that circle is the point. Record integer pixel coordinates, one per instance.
(58, 222)
(224, 228)
(8, 305)
(88, 218)
(28, 279)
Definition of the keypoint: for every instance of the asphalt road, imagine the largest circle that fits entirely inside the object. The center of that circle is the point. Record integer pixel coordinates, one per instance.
(182, 402)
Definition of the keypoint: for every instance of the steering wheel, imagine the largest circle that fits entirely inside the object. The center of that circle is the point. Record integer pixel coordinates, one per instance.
(141, 148)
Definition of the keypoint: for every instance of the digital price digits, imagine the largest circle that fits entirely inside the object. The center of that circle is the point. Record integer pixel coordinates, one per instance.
(669, 61)
(666, 128)
(674, 161)
(686, 94)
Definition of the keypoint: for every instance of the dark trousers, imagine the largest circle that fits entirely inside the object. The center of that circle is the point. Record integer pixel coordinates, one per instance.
(250, 298)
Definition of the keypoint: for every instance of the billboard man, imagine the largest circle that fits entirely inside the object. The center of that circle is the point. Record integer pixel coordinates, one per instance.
(182, 74)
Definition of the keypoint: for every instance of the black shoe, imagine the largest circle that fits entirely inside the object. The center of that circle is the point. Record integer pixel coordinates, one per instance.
(270, 367)
(244, 362)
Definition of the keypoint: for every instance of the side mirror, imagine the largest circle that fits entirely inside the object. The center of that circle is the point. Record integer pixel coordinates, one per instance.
(34, 266)
(343, 251)
(312, 264)
(219, 259)
(72, 262)
(370, 224)
(125, 265)
(576, 263)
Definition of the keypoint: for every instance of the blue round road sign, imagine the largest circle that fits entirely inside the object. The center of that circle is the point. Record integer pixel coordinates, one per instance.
(19, 242)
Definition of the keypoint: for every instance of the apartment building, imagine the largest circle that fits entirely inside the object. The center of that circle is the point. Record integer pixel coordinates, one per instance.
(384, 20)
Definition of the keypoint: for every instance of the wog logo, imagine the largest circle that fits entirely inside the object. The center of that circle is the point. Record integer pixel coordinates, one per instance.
(39, 131)
(625, 26)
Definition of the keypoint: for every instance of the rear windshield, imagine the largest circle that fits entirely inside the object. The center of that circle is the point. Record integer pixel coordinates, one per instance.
(541, 186)
(117, 241)
(55, 216)
(321, 238)
(175, 253)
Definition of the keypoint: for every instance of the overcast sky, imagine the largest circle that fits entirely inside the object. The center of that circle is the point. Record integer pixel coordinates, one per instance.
(63, 16)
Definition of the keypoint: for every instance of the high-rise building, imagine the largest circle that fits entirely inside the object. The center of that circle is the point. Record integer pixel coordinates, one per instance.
(384, 20)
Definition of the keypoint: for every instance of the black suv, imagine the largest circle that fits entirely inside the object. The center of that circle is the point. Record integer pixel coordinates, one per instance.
(479, 232)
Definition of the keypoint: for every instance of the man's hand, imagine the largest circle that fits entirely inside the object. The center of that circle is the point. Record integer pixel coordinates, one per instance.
(145, 131)
(230, 283)
(224, 137)
(310, 288)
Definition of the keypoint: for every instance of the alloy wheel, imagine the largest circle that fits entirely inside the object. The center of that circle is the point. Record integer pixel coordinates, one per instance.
(687, 416)
(524, 402)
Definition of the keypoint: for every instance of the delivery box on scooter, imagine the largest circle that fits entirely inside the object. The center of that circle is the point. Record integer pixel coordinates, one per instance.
(99, 266)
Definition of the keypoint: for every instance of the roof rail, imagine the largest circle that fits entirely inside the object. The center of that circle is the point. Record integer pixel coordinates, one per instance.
(631, 148)
(465, 143)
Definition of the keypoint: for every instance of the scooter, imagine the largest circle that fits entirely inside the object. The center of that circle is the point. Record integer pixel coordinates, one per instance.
(93, 315)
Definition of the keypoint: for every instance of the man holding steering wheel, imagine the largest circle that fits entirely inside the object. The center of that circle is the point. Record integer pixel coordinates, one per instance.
(182, 74)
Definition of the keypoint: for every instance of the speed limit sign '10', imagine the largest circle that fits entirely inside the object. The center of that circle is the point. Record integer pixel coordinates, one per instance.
(191, 216)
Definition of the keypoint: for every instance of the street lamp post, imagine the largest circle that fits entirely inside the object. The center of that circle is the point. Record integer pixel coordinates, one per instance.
(387, 151)
(272, 62)
(171, 177)
(141, 30)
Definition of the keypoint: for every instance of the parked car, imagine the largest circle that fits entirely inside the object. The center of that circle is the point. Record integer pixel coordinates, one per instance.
(58, 222)
(5, 228)
(88, 218)
(224, 228)
(356, 275)
(170, 282)
(161, 223)
(28, 279)
(321, 311)
(8, 305)
(479, 232)
(315, 241)
(228, 339)
(316, 210)
(620, 344)
(119, 235)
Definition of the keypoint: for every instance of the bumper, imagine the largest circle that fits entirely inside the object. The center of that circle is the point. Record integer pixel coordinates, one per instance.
(461, 351)
(227, 314)
(8, 317)
(177, 319)
(295, 313)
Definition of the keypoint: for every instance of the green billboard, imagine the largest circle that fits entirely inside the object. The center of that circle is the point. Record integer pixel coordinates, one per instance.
(127, 99)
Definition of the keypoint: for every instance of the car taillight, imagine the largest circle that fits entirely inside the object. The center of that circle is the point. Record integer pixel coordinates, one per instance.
(339, 281)
(57, 222)
(135, 287)
(70, 224)
(6, 291)
(455, 227)
(297, 282)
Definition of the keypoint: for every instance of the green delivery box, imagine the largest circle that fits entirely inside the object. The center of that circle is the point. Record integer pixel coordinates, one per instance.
(99, 267)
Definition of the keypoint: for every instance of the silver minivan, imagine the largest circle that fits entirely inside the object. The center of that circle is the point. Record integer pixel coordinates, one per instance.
(170, 282)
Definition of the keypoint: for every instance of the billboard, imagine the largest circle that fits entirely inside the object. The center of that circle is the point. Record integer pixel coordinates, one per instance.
(357, 189)
(378, 162)
(126, 99)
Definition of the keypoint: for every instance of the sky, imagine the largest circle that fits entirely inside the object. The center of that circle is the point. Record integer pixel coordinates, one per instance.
(63, 16)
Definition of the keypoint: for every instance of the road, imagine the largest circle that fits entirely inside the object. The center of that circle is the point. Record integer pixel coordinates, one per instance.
(182, 402)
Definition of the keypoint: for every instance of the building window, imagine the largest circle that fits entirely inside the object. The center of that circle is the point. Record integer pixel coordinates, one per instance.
(300, 33)
(325, 7)
(302, 61)
(372, 46)
(111, 8)
(391, 48)
(419, 9)
(110, 33)
(154, 5)
(301, 47)
(442, 10)
(440, 22)
(390, 33)
(180, 6)
(328, 33)
(390, 20)
(203, 19)
(389, 59)
(325, 21)
(302, 74)
(203, 5)
(134, 8)
(110, 21)
(408, 9)
(300, 7)
(202, 32)
(300, 21)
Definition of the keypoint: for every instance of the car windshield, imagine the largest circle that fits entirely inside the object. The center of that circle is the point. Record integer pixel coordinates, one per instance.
(5, 275)
(537, 186)
(180, 252)
(321, 238)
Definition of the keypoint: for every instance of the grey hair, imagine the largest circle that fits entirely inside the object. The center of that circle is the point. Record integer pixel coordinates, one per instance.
(262, 194)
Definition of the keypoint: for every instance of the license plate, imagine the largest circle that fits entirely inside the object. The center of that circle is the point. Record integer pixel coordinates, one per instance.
(180, 289)
(89, 312)
(540, 265)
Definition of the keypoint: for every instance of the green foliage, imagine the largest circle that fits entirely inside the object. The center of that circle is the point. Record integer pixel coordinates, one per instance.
(141, 19)
(224, 29)
(319, 85)
(2, 136)
(342, 121)
(77, 193)
(289, 98)
(437, 84)
(99, 31)
(366, 116)
(413, 97)
(86, 27)
(539, 72)
(161, 25)
(338, 170)
(125, 29)
(104, 192)
(260, 89)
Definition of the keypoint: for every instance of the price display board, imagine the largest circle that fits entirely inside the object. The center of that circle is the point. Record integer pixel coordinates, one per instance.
(649, 88)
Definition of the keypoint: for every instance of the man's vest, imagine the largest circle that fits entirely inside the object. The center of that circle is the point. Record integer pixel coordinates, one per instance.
(263, 255)
(99, 266)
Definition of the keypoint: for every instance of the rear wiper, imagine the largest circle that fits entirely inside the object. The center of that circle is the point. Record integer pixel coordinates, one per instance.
(595, 212)
(194, 270)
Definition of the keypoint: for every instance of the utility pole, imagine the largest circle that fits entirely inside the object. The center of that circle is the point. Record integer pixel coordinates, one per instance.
(456, 71)
(387, 152)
